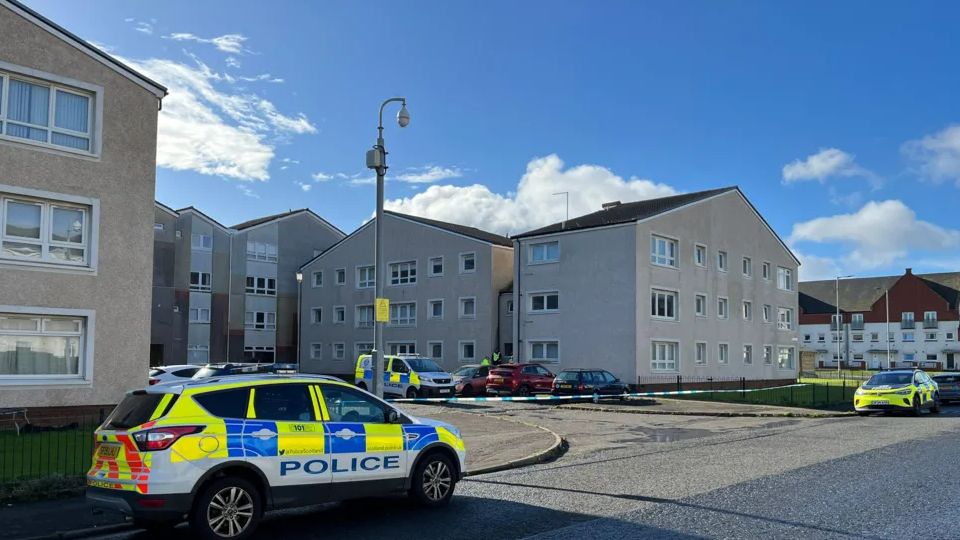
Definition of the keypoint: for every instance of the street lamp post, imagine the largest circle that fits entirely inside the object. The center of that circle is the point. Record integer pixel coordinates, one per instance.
(377, 160)
(299, 316)
(839, 329)
(886, 338)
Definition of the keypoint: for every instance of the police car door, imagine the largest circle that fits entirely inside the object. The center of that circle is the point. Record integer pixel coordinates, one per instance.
(399, 377)
(284, 438)
(367, 453)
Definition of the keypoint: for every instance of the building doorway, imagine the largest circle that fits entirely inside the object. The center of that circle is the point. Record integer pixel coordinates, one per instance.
(950, 362)
(156, 354)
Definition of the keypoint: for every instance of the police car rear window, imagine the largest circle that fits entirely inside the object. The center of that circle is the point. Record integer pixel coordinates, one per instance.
(135, 409)
(568, 375)
(947, 378)
(225, 403)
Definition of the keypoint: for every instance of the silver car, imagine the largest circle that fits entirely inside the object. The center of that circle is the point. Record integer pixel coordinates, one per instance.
(949, 387)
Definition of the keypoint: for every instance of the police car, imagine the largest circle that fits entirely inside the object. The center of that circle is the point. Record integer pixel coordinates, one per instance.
(221, 451)
(407, 376)
(907, 390)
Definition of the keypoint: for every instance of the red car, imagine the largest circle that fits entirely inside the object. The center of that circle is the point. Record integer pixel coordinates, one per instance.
(519, 380)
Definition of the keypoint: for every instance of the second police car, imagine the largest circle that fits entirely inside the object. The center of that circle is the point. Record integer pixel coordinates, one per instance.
(907, 390)
(407, 376)
(221, 451)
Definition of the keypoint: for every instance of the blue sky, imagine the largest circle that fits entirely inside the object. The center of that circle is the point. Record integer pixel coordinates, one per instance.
(838, 120)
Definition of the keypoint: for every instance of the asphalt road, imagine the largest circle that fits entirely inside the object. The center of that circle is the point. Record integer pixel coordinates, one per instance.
(861, 478)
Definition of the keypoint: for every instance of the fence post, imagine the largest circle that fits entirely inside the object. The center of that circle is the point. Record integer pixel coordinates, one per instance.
(710, 380)
(743, 387)
(679, 383)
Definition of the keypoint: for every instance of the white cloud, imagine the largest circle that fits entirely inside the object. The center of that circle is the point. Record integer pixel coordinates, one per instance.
(814, 268)
(101, 46)
(228, 43)
(320, 177)
(275, 81)
(291, 161)
(937, 156)
(296, 124)
(261, 77)
(247, 191)
(356, 180)
(534, 203)
(828, 162)
(877, 235)
(851, 200)
(303, 186)
(144, 28)
(233, 62)
(428, 175)
(128, 19)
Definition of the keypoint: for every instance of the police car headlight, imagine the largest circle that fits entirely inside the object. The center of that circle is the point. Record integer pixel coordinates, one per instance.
(860, 392)
(904, 392)
(426, 379)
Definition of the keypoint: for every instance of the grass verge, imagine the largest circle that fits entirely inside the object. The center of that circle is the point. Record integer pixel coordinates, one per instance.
(39, 489)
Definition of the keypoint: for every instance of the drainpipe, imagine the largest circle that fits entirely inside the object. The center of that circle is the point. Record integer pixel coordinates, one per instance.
(517, 312)
(229, 293)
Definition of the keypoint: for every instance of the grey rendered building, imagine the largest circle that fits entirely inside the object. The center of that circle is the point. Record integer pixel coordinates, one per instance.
(696, 285)
(443, 283)
(229, 294)
(78, 144)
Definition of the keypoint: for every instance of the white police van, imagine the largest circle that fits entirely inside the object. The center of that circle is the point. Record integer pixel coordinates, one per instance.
(407, 376)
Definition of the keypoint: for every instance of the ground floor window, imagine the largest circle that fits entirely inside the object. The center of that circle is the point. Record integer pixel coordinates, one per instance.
(363, 348)
(40, 345)
(786, 358)
(198, 354)
(265, 355)
(468, 351)
(403, 348)
(664, 356)
(545, 351)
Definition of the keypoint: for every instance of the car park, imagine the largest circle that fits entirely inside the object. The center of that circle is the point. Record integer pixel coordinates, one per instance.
(903, 390)
(220, 451)
(519, 380)
(584, 381)
(471, 380)
(949, 386)
(172, 373)
(407, 376)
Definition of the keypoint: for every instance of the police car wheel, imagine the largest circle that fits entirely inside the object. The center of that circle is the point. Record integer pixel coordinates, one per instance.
(411, 393)
(228, 508)
(935, 409)
(433, 482)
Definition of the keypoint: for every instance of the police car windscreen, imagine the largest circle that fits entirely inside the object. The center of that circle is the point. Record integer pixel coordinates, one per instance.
(135, 409)
(206, 372)
(890, 379)
(422, 365)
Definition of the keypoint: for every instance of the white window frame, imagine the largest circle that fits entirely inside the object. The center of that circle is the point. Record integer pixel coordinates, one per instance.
(788, 276)
(655, 293)
(460, 357)
(545, 294)
(266, 325)
(314, 311)
(343, 351)
(358, 351)
(84, 376)
(766, 271)
(200, 287)
(544, 342)
(950, 336)
(261, 286)
(856, 318)
(767, 314)
(874, 337)
(337, 272)
(670, 261)
(913, 337)
(411, 321)
(430, 261)
(696, 353)
(461, 303)
(316, 279)
(858, 337)
(723, 261)
(807, 338)
(930, 316)
(700, 248)
(462, 259)
(793, 356)
(822, 337)
(701, 312)
(198, 242)
(200, 312)
(725, 301)
(768, 355)
(361, 323)
(55, 83)
(410, 266)
(531, 259)
(430, 355)
(316, 350)
(721, 347)
(791, 322)
(432, 302)
(747, 264)
(197, 349)
(746, 306)
(261, 251)
(654, 347)
(509, 308)
(368, 283)
(407, 344)
(748, 354)
(48, 202)
(936, 357)
(337, 311)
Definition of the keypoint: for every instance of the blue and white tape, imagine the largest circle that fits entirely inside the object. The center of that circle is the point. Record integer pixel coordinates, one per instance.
(586, 396)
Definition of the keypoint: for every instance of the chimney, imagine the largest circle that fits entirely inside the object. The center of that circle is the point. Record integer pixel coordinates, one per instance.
(909, 271)
(610, 204)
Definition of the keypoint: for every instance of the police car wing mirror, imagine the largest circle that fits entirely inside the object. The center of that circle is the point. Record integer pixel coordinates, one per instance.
(392, 417)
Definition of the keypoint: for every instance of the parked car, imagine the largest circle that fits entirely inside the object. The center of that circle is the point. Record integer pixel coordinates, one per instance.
(409, 376)
(584, 381)
(218, 370)
(949, 387)
(172, 373)
(519, 380)
(471, 379)
(905, 389)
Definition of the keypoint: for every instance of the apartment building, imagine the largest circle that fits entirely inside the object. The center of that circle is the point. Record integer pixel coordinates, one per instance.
(919, 330)
(78, 141)
(696, 285)
(230, 293)
(443, 282)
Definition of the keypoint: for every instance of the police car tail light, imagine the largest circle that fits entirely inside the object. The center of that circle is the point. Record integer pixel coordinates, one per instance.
(162, 438)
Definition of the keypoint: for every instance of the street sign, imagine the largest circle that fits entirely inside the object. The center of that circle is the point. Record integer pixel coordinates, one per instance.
(383, 310)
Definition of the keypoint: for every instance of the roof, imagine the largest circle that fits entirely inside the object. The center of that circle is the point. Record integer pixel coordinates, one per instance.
(193, 209)
(472, 232)
(158, 89)
(860, 294)
(627, 212)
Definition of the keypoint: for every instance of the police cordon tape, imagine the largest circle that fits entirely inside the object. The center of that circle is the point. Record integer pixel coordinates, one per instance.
(588, 396)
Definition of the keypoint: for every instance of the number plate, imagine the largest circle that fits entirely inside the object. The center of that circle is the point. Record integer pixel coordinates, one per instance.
(879, 402)
(566, 386)
(444, 390)
(498, 380)
(108, 451)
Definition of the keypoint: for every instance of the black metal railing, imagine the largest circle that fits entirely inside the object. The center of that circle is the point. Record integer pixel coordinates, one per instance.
(908, 324)
(931, 323)
(828, 393)
(856, 325)
(52, 445)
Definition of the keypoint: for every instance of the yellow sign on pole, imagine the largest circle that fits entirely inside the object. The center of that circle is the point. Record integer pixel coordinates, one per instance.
(383, 310)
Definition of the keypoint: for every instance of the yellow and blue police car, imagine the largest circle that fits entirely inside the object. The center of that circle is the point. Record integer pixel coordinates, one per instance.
(407, 376)
(219, 452)
(908, 390)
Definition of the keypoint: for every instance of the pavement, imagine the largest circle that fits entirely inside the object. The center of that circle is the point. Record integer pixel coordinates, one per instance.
(703, 408)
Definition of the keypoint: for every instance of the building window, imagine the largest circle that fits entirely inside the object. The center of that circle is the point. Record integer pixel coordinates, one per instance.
(930, 318)
(508, 349)
(723, 354)
(339, 351)
(545, 302)
(858, 338)
(874, 337)
(339, 314)
(158, 226)
(747, 267)
(317, 280)
(260, 320)
(767, 355)
(198, 354)
(44, 231)
(858, 357)
(664, 356)
(200, 281)
(468, 263)
(404, 273)
(929, 336)
(468, 308)
(908, 336)
(316, 351)
(722, 305)
(316, 315)
(906, 318)
(747, 310)
(663, 305)
(950, 336)
(821, 338)
(366, 277)
(700, 255)
(436, 267)
(362, 348)
(468, 351)
(199, 316)
(545, 351)
(931, 358)
(784, 318)
(748, 355)
(890, 336)
(722, 261)
(785, 358)
(201, 242)
(857, 320)
(436, 350)
(403, 348)
(403, 314)
(663, 251)
(908, 357)
(700, 305)
(701, 352)
(545, 252)
(46, 114)
(340, 275)
(767, 313)
(435, 309)
(806, 338)
(259, 251)
(766, 271)
(365, 317)
(784, 279)
(264, 355)
(836, 322)
(509, 307)
(41, 346)
(836, 337)
(261, 285)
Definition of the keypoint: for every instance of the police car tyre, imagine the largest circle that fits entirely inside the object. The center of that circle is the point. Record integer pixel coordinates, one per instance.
(230, 507)
(411, 393)
(916, 406)
(935, 408)
(433, 481)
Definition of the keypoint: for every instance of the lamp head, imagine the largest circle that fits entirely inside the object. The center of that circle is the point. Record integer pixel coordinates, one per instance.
(403, 117)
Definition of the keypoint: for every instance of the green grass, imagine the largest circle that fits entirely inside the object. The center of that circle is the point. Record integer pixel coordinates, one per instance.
(810, 396)
(45, 454)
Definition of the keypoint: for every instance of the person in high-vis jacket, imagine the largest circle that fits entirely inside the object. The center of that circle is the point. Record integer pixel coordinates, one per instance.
(496, 358)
